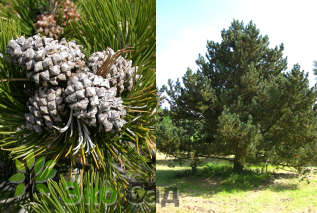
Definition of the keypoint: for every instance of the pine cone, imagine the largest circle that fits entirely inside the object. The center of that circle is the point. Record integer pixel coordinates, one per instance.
(46, 60)
(52, 23)
(121, 73)
(110, 111)
(47, 25)
(68, 10)
(46, 109)
(93, 101)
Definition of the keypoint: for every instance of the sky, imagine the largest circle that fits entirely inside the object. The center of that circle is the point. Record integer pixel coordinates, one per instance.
(184, 26)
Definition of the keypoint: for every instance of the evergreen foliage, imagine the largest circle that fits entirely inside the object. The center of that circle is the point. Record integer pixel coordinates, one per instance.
(247, 102)
(90, 200)
(126, 156)
(181, 140)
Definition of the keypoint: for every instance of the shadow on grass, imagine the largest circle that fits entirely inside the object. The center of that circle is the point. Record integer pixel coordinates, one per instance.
(219, 177)
(173, 162)
(284, 175)
(283, 187)
(166, 162)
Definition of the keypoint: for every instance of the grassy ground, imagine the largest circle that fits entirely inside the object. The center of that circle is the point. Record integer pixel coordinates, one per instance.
(215, 189)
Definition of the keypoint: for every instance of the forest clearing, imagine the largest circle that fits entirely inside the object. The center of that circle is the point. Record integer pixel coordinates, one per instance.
(209, 191)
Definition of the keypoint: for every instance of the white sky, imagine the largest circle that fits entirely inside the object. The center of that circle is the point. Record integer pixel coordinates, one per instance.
(184, 26)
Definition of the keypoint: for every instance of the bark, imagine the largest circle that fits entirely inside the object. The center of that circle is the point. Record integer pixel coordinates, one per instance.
(194, 164)
(237, 166)
(194, 169)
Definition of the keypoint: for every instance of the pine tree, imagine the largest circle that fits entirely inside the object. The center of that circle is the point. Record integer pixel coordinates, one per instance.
(240, 94)
(290, 125)
(180, 140)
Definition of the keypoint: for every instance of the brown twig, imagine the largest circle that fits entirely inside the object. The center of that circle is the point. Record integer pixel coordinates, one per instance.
(106, 65)
(13, 79)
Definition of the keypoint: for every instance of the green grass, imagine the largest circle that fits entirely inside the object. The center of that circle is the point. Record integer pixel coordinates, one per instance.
(215, 188)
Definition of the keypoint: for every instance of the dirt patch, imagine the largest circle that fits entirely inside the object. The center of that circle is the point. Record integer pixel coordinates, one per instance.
(211, 182)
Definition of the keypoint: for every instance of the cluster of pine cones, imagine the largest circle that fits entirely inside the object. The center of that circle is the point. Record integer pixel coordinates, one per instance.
(68, 87)
(63, 11)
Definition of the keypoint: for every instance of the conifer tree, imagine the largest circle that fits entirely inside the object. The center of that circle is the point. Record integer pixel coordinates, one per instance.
(242, 95)
(181, 140)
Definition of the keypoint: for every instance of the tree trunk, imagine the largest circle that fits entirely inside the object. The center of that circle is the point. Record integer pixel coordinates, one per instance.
(237, 166)
(194, 164)
(194, 169)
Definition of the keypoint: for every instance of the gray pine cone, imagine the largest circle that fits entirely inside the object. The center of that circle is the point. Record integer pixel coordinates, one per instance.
(93, 101)
(121, 73)
(46, 60)
(46, 109)
(110, 111)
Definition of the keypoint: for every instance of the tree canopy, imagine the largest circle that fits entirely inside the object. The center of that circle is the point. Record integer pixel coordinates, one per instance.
(247, 102)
